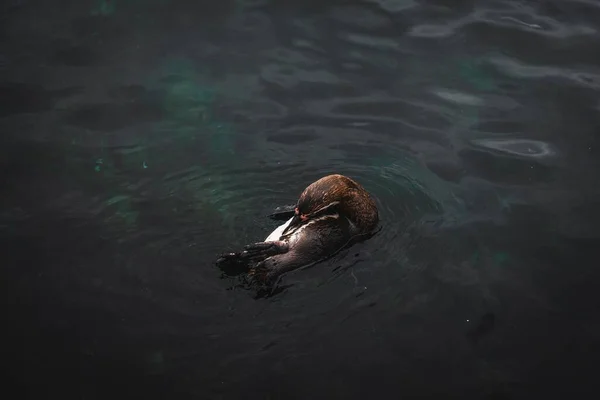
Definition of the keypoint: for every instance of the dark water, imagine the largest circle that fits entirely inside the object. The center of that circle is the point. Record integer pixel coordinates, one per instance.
(140, 139)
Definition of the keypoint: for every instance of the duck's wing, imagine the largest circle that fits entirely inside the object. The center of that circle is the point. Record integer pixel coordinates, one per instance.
(252, 253)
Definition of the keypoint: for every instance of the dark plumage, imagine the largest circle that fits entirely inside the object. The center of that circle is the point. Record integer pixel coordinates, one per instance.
(331, 213)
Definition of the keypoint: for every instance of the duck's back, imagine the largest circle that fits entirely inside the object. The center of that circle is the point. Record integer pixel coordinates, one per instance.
(310, 243)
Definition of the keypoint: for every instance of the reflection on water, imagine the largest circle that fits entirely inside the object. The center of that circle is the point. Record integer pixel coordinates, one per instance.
(142, 139)
(518, 147)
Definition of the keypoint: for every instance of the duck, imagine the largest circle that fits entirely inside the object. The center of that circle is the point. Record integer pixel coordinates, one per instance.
(331, 213)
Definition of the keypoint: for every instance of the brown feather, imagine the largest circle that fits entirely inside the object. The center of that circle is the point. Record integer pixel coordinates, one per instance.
(355, 203)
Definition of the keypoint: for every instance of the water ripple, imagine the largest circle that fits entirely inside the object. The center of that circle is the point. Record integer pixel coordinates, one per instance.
(289, 76)
(405, 191)
(525, 20)
(174, 132)
(418, 115)
(519, 69)
(395, 6)
(518, 147)
(381, 43)
(359, 17)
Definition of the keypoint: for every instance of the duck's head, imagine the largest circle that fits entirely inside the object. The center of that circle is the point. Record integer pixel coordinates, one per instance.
(332, 194)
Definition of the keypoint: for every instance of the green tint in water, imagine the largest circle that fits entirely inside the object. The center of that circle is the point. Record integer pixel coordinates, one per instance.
(472, 71)
(189, 105)
(500, 258)
(465, 75)
(188, 102)
(104, 7)
(107, 8)
(116, 199)
(212, 194)
(475, 258)
(222, 139)
(190, 131)
(428, 191)
(124, 211)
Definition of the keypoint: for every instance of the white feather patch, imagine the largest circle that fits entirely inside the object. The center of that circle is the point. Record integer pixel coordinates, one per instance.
(276, 234)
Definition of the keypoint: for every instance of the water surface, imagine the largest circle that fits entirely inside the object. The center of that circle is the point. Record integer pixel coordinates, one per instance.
(140, 139)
